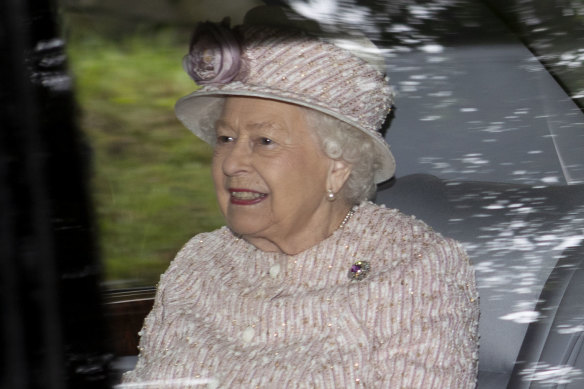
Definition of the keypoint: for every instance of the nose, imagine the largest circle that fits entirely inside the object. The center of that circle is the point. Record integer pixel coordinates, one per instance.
(237, 158)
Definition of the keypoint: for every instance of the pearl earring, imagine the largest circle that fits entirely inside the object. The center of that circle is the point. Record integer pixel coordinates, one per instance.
(330, 195)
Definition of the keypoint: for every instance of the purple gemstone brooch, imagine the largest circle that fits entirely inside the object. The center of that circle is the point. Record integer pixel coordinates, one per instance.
(359, 270)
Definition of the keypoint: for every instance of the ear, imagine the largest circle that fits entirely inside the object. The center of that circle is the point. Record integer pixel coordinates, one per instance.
(338, 174)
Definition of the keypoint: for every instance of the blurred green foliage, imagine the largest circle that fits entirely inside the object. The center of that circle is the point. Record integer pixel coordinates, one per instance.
(151, 177)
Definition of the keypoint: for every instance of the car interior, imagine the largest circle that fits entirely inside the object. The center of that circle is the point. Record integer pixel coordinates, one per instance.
(486, 167)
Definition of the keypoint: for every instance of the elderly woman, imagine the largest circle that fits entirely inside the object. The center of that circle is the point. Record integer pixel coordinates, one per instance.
(308, 285)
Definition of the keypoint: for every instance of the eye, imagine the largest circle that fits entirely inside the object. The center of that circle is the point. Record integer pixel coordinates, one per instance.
(266, 141)
(224, 139)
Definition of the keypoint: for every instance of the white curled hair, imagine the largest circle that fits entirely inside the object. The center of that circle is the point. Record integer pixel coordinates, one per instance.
(342, 141)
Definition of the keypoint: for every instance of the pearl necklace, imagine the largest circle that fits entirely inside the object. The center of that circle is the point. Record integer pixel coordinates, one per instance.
(347, 217)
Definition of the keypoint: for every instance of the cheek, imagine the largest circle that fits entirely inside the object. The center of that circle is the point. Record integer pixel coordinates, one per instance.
(215, 170)
(217, 166)
(302, 178)
(217, 175)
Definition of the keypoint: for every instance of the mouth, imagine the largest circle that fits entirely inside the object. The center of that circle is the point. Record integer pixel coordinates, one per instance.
(246, 196)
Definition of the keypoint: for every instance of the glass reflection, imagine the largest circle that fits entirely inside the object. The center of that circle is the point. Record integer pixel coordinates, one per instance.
(487, 135)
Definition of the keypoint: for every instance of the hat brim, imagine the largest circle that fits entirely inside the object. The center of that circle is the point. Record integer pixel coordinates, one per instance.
(196, 113)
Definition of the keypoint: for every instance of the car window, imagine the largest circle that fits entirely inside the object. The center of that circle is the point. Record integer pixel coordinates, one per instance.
(486, 130)
(497, 100)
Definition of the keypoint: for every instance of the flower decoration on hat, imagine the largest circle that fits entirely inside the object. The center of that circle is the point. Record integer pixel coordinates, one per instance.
(214, 55)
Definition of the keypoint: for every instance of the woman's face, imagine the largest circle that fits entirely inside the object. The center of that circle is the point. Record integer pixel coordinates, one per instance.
(270, 175)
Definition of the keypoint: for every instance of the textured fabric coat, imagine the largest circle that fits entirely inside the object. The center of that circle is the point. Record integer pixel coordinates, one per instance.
(228, 312)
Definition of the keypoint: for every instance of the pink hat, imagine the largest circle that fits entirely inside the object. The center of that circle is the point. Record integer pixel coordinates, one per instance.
(287, 65)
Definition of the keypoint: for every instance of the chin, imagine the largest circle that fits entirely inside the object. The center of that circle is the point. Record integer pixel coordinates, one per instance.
(243, 227)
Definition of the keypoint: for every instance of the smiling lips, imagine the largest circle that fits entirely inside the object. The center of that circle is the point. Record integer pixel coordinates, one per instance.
(246, 196)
